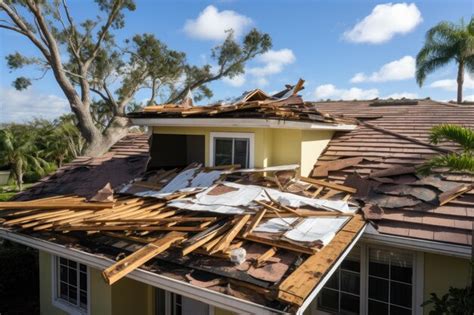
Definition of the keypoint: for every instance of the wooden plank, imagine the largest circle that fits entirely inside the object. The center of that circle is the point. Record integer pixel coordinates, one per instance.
(299, 284)
(260, 261)
(255, 221)
(328, 185)
(123, 267)
(7, 205)
(214, 231)
(447, 196)
(280, 244)
(229, 237)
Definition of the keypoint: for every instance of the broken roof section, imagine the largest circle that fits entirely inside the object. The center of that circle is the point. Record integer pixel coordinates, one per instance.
(391, 140)
(248, 229)
(286, 105)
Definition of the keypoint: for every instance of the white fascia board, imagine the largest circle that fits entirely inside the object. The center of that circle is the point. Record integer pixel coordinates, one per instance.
(207, 296)
(373, 236)
(240, 122)
(309, 299)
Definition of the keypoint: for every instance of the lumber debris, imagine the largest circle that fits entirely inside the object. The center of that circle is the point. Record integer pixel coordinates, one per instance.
(123, 267)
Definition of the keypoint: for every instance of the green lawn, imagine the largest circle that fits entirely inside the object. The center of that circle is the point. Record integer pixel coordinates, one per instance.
(8, 191)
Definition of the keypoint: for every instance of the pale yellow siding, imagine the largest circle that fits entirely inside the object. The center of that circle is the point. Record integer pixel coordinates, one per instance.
(100, 292)
(132, 297)
(441, 272)
(272, 146)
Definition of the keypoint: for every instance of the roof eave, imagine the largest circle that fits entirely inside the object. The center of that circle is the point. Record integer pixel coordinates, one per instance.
(241, 122)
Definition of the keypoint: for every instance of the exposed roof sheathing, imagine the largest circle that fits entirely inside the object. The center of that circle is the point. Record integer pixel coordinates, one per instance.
(392, 137)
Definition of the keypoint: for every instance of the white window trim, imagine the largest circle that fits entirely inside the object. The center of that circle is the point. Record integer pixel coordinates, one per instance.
(245, 135)
(58, 302)
(169, 305)
(418, 279)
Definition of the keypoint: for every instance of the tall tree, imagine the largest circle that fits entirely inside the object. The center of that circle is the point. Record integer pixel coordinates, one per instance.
(456, 161)
(444, 43)
(86, 60)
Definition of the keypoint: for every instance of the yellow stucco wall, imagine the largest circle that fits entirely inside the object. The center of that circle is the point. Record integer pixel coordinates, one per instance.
(441, 272)
(272, 146)
(101, 301)
(132, 297)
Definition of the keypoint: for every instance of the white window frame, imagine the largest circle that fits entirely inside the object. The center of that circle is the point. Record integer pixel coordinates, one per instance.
(59, 302)
(231, 135)
(418, 279)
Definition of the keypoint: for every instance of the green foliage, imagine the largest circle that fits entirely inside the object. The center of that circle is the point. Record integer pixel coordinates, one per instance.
(39, 147)
(456, 301)
(21, 83)
(462, 161)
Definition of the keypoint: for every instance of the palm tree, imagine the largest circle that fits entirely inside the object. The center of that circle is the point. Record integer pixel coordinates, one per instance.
(456, 161)
(18, 150)
(444, 43)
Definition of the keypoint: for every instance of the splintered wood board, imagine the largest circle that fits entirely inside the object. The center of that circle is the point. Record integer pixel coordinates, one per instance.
(123, 267)
(299, 284)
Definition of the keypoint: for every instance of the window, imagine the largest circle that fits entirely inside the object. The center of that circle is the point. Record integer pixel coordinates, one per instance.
(71, 286)
(390, 282)
(341, 294)
(168, 303)
(232, 148)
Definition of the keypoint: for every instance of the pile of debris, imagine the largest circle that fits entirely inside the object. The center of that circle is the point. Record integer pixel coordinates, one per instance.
(263, 228)
(286, 105)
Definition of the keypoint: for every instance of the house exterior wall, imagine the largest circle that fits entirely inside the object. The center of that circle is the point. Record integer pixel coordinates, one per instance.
(132, 297)
(442, 272)
(272, 146)
(100, 292)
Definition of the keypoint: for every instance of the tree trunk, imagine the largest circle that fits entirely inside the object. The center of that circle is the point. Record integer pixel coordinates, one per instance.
(460, 81)
(117, 129)
(18, 170)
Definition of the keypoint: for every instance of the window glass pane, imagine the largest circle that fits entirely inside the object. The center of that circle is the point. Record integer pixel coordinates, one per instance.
(241, 152)
(83, 299)
(377, 308)
(350, 282)
(349, 304)
(350, 265)
(63, 261)
(329, 300)
(83, 281)
(83, 268)
(160, 301)
(72, 280)
(62, 273)
(63, 290)
(72, 264)
(223, 151)
(395, 310)
(72, 293)
(400, 294)
(333, 282)
(378, 289)
(379, 261)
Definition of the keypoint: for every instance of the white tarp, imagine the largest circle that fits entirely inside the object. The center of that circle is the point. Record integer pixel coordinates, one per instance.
(190, 205)
(243, 195)
(309, 230)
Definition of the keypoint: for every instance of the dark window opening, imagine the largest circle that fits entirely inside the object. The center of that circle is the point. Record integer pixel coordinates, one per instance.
(168, 151)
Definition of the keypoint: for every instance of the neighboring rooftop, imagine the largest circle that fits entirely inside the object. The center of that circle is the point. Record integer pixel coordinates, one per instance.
(392, 139)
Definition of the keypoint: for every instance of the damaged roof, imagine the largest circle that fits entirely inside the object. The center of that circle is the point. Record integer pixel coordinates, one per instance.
(252, 234)
(381, 155)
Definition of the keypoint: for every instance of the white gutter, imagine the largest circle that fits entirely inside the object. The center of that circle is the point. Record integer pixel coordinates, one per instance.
(201, 294)
(240, 122)
(373, 236)
(329, 274)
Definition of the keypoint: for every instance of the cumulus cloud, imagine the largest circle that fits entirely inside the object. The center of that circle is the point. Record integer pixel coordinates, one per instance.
(236, 81)
(384, 22)
(330, 91)
(21, 106)
(212, 24)
(451, 84)
(402, 95)
(273, 62)
(401, 69)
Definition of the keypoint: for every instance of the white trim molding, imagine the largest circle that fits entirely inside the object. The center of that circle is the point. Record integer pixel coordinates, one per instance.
(240, 122)
(232, 135)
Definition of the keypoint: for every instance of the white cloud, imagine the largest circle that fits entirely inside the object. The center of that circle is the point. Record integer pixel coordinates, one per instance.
(274, 61)
(402, 95)
(21, 106)
(330, 91)
(261, 82)
(401, 69)
(451, 84)
(469, 98)
(384, 22)
(236, 81)
(212, 24)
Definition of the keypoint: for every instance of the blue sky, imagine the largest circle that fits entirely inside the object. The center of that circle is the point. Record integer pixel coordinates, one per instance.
(343, 49)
